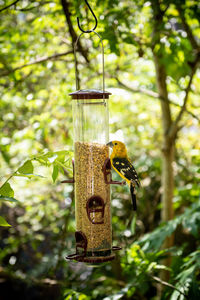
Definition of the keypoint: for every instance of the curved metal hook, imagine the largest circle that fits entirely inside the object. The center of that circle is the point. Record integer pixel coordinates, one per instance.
(95, 26)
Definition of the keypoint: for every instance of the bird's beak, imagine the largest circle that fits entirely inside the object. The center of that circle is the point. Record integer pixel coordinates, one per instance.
(110, 144)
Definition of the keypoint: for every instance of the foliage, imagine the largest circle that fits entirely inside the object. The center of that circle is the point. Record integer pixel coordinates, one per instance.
(60, 160)
(190, 220)
(36, 74)
(72, 295)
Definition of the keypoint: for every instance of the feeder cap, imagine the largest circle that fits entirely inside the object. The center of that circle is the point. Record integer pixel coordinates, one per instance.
(90, 94)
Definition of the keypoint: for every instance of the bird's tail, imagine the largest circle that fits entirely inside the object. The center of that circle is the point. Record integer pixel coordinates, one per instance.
(133, 195)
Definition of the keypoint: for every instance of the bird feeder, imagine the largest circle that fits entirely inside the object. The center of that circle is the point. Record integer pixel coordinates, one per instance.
(92, 176)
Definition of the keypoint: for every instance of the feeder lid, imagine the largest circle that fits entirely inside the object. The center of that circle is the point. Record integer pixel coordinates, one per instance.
(90, 94)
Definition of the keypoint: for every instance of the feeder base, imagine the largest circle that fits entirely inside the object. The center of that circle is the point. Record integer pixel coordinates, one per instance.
(93, 259)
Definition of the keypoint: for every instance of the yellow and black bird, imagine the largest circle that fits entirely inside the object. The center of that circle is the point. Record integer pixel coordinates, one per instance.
(122, 165)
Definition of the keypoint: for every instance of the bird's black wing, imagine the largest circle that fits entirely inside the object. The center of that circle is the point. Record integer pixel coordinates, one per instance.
(124, 166)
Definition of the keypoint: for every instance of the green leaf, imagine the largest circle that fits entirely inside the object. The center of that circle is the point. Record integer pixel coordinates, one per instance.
(133, 224)
(73, 295)
(62, 157)
(6, 190)
(55, 172)
(29, 175)
(27, 168)
(3, 222)
(9, 199)
(61, 170)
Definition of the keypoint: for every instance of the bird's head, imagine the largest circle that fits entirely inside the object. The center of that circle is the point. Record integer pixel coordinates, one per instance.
(119, 149)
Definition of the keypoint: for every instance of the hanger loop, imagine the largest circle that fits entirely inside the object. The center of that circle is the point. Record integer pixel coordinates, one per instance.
(96, 22)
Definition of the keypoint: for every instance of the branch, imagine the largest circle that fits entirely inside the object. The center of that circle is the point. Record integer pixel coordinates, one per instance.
(137, 90)
(187, 28)
(160, 68)
(168, 285)
(174, 127)
(4, 8)
(37, 61)
(165, 10)
(27, 8)
(84, 52)
(152, 95)
(190, 113)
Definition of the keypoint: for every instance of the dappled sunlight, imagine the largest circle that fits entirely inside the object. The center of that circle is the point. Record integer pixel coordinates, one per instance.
(151, 52)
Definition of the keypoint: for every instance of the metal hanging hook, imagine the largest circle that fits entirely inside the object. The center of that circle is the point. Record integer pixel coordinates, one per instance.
(96, 22)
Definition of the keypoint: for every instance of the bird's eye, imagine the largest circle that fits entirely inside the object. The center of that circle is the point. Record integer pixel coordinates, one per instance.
(115, 143)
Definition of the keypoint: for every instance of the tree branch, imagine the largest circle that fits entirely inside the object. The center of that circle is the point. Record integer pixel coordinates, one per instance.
(160, 68)
(152, 95)
(84, 52)
(174, 127)
(37, 61)
(165, 10)
(187, 28)
(137, 90)
(27, 8)
(4, 8)
(168, 285)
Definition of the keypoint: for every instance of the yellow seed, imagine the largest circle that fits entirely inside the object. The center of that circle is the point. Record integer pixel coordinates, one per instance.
(89, 181)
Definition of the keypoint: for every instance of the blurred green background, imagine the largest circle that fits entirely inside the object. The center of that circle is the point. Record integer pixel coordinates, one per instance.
(36, 138)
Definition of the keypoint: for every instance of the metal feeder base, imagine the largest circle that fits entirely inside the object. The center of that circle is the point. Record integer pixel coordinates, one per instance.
(93, 259)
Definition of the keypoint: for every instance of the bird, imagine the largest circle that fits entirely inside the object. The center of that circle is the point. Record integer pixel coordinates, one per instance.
(123, 166)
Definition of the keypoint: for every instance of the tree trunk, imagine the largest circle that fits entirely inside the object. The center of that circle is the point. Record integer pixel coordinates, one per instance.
(167, 159)
(167, 182)
(170, 127)
(167, 156)
(168, 143)
(167, 187)
(167, 146)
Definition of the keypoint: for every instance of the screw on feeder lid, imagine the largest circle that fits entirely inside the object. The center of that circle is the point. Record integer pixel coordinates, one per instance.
(90, 94)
